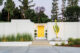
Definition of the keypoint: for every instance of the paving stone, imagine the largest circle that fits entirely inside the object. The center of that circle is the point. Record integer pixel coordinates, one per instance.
(39, 49)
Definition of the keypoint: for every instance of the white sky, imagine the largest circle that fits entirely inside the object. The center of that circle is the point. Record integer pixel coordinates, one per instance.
(45, 3)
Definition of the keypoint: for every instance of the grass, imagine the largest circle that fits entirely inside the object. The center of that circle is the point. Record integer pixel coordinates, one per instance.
(18, 37)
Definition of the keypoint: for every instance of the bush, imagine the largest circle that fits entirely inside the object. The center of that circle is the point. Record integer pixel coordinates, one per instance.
(19, 37)
(56, 44)
(72, 41)
(62, 44)
(0, 38)
(77, 41)
(3, 38)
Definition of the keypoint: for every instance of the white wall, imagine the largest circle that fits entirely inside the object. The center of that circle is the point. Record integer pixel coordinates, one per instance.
(16, 26)
(67, 30)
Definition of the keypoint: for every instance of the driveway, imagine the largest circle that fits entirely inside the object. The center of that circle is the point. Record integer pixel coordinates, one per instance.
(39, 49)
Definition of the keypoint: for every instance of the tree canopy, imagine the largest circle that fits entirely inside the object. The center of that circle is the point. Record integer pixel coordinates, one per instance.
(26, 7)
(9, 6)
(1, 1)
(69, 13)
(72, 13)
(73, 2)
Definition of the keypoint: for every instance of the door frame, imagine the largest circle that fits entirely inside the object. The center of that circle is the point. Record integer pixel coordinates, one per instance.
(36, 28)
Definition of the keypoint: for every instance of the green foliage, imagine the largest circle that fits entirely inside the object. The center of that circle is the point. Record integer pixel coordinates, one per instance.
(19, 37)
(17, 14)
(73, 2)
(26, 7)
(9, 6)
(29, 14)
(54, 10)
(40, 18)
(72, 13)
(10, 38)
(4, 15)
(25, 12)
(62, 44)
(0, 16)
(1, 1)
(56, 44)
(72, 41)
(77, 41)
(35, 34)
(3, 38)
(0, 39)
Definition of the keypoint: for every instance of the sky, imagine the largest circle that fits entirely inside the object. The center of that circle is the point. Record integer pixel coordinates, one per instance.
(40, 3)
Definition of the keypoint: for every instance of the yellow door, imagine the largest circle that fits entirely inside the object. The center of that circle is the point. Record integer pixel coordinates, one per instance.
(40, 31)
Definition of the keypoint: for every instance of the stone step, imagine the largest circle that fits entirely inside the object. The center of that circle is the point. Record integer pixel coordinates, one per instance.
(40, 43)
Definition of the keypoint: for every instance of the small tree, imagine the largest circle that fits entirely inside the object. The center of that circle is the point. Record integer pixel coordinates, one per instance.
(26, 5)
(1, 2)
(56, 28)
(9, 6)
(72, 13)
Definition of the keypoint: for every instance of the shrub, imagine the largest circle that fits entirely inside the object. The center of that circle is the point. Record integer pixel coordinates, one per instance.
(3, 38)
(19, 37)
(12, 37)
(27, 37)
(0, 38)
(35, 34)
(70, 40)
(8, 38)
(56, 44)
(62, 44)
(71, 43)
(77, 41)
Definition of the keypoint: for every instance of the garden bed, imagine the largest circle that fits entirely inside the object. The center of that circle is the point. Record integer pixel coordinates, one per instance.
(15, 43)
(71, 43)
(16, 38)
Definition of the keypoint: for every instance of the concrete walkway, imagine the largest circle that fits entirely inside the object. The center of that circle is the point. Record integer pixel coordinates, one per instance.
(39, 49)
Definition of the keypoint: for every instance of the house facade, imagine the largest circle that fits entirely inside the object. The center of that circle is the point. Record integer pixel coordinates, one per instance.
(41, 30)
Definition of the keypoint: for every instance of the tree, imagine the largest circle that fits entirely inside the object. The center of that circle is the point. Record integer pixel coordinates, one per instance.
(73, 2)
(25, 7)
(40, 16)
(63, 9)
(9, 6)
(1, 1)
(56, 28)
(54, 10)
(0, 16)
(17, 14)
(72, 13)
(4, 15)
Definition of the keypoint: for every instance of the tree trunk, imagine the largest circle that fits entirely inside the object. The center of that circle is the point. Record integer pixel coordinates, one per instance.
(8, 15)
